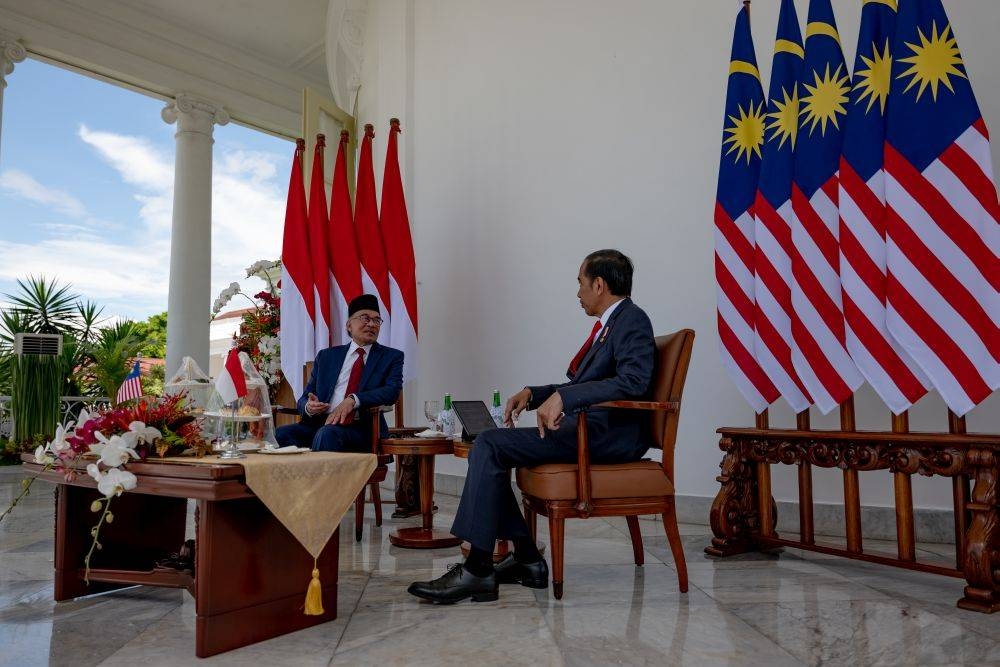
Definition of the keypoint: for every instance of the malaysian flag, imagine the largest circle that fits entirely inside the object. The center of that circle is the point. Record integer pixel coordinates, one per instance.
(819, 351)
(743, 135)
(888, 368)
(131, 388)
(772, 211)
(941, 229)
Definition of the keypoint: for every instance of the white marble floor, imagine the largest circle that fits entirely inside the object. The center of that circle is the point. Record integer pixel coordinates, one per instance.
(758, 609)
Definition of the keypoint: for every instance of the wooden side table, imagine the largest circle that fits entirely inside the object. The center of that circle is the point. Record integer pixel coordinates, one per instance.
(423, 450)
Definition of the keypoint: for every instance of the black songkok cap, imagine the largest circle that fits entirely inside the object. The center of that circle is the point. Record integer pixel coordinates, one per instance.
(363, 302)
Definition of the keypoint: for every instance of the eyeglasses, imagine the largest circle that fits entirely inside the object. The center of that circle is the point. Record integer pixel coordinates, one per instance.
(365, 320)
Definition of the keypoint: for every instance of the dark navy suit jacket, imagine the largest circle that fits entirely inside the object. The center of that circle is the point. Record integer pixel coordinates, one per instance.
(381, 382)
(618, 366)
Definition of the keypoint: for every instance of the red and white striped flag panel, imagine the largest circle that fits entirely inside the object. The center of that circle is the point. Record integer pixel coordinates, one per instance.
(943, 273)
(772, 291)
(896, 378)
(818, 351)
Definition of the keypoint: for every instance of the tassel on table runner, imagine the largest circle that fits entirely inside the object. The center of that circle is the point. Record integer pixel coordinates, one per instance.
(314, 594)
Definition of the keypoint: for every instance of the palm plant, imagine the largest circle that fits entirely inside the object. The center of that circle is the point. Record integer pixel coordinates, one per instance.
(110, 355)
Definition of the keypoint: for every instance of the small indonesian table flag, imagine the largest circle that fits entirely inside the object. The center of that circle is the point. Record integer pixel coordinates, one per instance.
(231, 383)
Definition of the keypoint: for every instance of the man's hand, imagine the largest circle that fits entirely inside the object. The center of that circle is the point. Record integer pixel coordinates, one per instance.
(550, 414)
(314, 406)
(341, 412)
(516, 404)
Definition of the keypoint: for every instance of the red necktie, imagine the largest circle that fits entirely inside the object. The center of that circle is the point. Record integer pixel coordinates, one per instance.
(354, 381)
(575, 364)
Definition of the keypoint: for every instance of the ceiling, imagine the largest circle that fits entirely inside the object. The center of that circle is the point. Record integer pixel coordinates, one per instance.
(288, 33)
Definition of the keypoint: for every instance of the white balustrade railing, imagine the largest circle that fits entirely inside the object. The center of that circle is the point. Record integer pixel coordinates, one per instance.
(69, 410)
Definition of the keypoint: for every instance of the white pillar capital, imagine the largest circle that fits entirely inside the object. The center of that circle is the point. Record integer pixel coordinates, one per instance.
(11, 53)
(194, 114)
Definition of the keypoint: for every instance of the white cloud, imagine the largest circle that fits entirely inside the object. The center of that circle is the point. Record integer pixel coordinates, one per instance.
(126, 268)
(16, 183)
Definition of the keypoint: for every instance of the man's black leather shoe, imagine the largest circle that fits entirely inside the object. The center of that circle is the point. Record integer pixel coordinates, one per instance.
(456, 585)
(532, 575)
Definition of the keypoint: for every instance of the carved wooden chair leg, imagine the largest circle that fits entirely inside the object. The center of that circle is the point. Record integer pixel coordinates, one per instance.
(377, 502)
(676, 547)
(359, 515)
(556, 536)
(633, 531)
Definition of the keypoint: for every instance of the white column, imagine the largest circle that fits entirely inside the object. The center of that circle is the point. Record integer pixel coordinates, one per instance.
(11, 52)
(189, 295)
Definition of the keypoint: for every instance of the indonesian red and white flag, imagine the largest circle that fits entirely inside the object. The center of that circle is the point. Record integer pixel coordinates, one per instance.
(399, 255)
(297, 333)
(319, 220)
(345, 265)
(943, 223)
(232, 382)
(375, 270)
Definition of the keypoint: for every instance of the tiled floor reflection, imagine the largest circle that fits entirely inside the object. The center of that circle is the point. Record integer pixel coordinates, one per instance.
(792, 608)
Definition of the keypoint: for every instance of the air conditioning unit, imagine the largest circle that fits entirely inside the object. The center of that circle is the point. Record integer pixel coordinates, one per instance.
(46, 345)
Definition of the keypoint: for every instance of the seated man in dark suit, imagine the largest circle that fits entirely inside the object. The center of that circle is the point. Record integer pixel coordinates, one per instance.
(615, 363)
(358, 375)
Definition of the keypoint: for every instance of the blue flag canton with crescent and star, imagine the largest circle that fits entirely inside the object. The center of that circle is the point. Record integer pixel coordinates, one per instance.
(865, 132)
(824, 93)
(782, 109)
(743, 129)
(931, 102)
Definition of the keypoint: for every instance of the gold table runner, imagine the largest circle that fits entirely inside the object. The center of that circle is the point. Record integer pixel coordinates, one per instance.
(308, 493)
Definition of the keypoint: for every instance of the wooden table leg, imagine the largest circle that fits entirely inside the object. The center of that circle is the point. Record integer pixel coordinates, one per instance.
(426, 536)
(251, 577)
(735, 516)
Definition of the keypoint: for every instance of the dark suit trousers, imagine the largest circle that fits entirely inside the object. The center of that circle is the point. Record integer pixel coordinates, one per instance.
(489, 509)
(324, 438)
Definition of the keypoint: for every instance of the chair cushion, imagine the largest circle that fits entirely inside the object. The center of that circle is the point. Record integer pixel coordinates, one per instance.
(557, 481)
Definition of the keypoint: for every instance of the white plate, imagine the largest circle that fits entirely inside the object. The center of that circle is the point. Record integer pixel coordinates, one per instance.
(299, 450)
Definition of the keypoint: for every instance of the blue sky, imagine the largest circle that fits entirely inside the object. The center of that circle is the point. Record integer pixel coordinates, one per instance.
(86, 192)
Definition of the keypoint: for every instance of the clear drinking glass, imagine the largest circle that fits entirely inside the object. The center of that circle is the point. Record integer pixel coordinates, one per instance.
(431, 410)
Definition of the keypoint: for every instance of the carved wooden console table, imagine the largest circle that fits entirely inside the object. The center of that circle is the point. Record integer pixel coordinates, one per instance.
(744, 515)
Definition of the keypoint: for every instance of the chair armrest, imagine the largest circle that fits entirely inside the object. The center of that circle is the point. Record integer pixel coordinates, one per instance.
(666, 406)
(282, 410)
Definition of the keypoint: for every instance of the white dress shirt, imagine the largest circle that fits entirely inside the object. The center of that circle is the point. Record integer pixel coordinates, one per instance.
(340, 391)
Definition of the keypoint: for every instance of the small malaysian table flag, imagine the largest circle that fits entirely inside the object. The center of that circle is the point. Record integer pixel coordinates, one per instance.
(131, 387)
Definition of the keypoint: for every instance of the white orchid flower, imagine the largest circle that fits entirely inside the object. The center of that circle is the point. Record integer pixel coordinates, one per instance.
(143, 433)
(113, 482)
(43, 455)
(58, 443)
(116, 452)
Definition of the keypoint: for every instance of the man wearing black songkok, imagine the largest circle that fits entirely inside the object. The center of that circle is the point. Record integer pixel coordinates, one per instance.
(344, 379)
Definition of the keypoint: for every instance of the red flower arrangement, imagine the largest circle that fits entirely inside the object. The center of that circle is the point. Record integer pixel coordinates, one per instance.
(167, 414)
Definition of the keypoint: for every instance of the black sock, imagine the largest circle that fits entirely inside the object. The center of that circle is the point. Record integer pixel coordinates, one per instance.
(526, 551)
(479, 562)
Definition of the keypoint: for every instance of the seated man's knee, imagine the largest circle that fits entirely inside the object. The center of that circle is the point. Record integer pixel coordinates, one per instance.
(327, 439)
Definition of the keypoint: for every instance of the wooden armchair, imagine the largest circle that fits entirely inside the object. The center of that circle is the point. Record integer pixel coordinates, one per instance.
(379, 474)
(563, 491)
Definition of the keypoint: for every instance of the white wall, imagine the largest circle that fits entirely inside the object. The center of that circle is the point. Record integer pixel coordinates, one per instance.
(536, 132)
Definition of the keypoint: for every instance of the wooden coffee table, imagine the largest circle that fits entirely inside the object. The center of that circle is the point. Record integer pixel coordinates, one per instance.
(423, 450)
